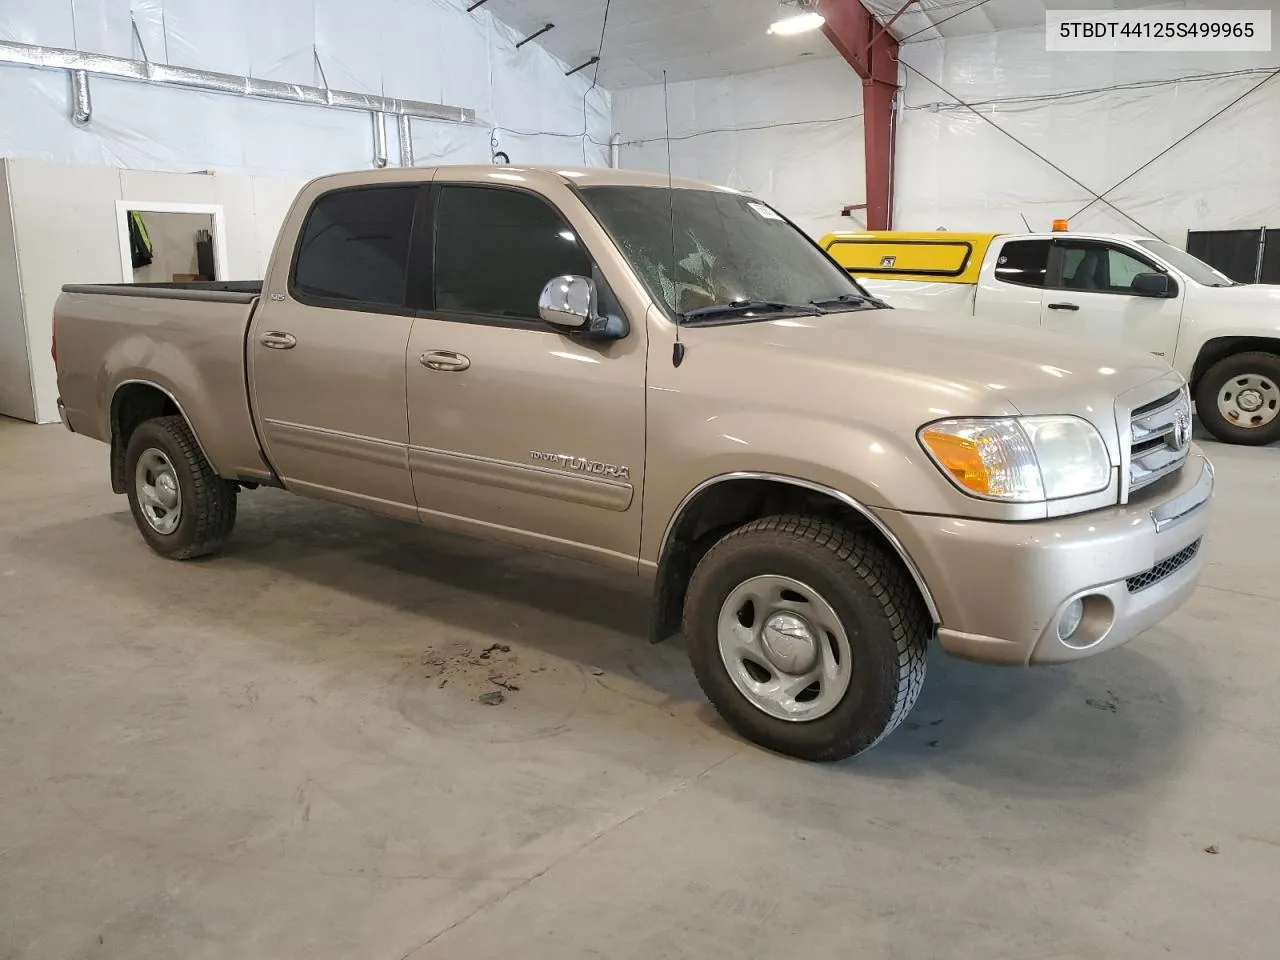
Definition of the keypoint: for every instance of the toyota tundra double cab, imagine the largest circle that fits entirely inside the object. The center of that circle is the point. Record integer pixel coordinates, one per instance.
(670, 379)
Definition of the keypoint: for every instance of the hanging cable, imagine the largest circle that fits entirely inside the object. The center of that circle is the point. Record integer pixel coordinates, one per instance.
(595, 76)
(1031, 150)
(759, 126)
(1041, 98)
(934, 25)
(1177, 143)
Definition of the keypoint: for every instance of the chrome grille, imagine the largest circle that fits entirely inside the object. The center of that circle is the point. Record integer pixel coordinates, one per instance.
(1159, 438)
(1164, 569)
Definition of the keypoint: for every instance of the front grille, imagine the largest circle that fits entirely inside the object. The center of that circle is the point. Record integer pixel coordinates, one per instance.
(1164, 569)
(1160, 439)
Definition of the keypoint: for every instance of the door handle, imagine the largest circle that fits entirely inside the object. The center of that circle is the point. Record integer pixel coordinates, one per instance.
(445, 361)
(277, 340)
(1063, 306)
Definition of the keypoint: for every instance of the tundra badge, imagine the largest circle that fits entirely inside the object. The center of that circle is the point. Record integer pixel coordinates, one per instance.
(582, 465)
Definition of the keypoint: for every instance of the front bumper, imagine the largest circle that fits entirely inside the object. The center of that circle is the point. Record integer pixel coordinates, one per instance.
(62, 415)
(1000, 588)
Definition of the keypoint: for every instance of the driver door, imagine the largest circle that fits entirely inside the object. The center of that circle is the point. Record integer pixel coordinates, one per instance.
(1089, 294)
(518, 432)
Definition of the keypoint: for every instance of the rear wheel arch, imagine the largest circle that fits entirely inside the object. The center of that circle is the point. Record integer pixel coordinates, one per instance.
(134, 403)
(720, 505)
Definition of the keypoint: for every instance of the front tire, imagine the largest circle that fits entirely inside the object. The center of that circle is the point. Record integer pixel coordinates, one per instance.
(808, 637)
(181, 507)
(1238, 399)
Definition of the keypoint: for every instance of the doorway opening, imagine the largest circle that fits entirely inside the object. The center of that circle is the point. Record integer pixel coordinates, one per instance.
(170, 242)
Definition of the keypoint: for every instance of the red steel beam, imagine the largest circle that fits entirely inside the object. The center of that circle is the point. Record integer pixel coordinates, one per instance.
(873, 53)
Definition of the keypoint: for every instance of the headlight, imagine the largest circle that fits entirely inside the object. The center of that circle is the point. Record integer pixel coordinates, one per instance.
(1020, 459)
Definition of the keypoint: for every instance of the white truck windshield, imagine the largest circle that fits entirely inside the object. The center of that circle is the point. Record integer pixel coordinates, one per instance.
(1196, 269)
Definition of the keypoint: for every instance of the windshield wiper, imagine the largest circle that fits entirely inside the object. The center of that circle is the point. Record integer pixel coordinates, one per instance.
(850, 299)
(739, 308)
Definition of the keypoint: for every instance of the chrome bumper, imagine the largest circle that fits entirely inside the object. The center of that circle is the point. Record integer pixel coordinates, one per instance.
(1001, 588)
(62, 415)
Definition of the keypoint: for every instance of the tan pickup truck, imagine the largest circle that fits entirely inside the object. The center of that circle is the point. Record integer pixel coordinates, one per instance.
(672, 380)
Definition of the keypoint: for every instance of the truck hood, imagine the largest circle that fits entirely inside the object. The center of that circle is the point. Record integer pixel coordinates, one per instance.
(909, 367)
(1255, 303)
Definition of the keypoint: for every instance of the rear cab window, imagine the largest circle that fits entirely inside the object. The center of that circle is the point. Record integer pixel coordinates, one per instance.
(353, 250)
(1024, 263)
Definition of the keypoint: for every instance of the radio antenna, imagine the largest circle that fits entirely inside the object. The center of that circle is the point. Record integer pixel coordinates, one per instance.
(1027, 222)
(677, 351)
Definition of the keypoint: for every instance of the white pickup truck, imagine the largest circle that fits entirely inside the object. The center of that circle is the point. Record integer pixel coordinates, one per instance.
(1224, 337)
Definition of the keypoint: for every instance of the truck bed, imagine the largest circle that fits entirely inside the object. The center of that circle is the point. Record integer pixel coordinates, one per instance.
(185, 340)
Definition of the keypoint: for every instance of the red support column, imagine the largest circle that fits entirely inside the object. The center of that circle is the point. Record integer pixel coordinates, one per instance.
(873, 53)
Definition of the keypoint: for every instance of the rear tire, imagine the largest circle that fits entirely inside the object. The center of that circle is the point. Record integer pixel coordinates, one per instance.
(182, 508)
(1238, 399)
(833, 587)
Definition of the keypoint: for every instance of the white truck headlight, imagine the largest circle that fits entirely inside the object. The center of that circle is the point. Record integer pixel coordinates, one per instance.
(1020, 459)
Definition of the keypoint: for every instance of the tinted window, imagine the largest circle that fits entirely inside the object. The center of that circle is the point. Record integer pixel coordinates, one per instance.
(1099, 268)
(1024, 262)
(355, 246)
(496, 249)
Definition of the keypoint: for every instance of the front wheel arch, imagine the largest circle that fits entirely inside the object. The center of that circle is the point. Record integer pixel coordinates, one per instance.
(722, 504)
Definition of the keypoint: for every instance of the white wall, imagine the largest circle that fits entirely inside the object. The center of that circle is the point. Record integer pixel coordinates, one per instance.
(65, 221)
(792, 136)
(1097, 116)
(416, 49)
(16, 396)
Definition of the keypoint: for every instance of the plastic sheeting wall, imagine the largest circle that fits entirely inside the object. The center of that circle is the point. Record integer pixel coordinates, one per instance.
(791, 136)
(1097, 116)
(419, 49)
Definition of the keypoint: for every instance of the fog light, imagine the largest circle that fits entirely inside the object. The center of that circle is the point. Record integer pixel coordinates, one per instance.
(1069, 622)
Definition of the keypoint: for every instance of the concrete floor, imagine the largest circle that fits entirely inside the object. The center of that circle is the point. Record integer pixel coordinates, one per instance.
(279, 753)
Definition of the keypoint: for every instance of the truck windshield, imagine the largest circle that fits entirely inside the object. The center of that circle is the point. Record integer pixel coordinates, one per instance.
(1196, 269)
(734, 259)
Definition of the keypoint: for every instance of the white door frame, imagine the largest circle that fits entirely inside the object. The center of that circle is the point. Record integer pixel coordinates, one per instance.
(156, 206)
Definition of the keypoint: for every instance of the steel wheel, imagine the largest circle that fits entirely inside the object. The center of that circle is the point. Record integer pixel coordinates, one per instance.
(784, 648)
(159, 495)
(1250, 401)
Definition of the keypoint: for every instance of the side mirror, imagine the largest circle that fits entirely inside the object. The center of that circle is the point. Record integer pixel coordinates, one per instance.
(570, 305)
(1153, 285)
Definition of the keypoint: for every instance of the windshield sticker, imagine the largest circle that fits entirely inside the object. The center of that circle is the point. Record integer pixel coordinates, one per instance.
(766, 212)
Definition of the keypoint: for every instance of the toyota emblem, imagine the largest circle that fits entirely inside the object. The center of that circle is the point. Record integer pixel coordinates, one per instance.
(1182, 431)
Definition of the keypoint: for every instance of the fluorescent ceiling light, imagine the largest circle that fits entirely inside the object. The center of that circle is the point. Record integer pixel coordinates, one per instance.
(795, 18)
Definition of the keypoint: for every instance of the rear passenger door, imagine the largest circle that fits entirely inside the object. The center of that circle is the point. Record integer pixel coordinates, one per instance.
(327, 348)
(519, 432)
(1011, 287)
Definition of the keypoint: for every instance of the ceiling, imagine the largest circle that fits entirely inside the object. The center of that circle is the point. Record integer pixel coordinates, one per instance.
(931, 19)
(690, 39)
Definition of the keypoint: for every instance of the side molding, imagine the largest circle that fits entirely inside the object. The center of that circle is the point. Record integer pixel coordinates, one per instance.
(826, 491)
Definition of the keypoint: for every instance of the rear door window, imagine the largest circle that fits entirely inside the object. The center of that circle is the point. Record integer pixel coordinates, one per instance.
(354, 248)
(1024, 262)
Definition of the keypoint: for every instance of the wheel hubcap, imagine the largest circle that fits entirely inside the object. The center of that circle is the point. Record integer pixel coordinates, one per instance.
(789, 643)
(1249, 401)
(784, 648)
(159, 496)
